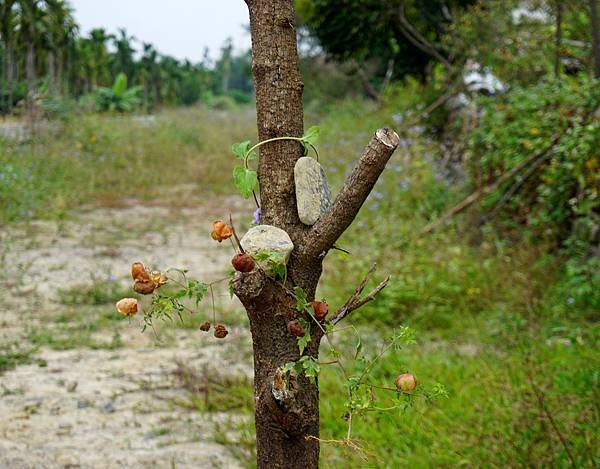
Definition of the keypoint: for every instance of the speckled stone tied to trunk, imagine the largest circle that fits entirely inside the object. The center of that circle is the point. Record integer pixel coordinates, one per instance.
(263, 238)
(313, 196)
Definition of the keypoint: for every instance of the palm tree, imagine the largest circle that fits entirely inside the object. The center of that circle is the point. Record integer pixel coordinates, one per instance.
(99, 57)
(7, 34)
(123, 57)
(31, 30)
(60, 30)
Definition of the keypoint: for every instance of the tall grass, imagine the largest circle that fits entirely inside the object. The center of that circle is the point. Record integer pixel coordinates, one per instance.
(104, 159)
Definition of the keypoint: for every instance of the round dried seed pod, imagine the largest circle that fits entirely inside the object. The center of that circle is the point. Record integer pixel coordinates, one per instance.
(220, 331)
(205, 326)
(295, 328)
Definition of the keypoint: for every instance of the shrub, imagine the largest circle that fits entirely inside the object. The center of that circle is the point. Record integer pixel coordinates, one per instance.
(558, 202)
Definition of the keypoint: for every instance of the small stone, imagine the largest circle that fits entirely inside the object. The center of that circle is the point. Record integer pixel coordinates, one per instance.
(313, 196)
(71, 386)
(267, 238)
(108, 408)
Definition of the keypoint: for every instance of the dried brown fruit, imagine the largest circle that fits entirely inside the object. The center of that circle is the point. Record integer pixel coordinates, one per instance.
(220, 331)
(243, 262)
(158, 278)
(127, 306)
(145, 287)
(221, 231)
(320, 308)
(205, 326)
(406, 382)
(295, 328)
(139, 272)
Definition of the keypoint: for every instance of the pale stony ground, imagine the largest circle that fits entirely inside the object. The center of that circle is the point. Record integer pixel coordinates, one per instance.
(105, 408)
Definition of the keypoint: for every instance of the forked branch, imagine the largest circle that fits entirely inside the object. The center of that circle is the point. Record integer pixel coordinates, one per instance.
(356, 301)
(356, 189)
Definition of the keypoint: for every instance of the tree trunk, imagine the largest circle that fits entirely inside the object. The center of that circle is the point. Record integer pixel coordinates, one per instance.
(30, 75)
(595, 36)
(51, 73)
(287, 413)
(281, 427)
(8, 75)
(558, 37)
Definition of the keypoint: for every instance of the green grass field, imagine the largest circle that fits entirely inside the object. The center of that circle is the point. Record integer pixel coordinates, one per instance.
(496, 323)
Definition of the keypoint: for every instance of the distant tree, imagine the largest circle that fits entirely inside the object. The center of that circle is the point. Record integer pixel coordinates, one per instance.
(8, 25)
(402, 36)
(123, 60)
(595, 24)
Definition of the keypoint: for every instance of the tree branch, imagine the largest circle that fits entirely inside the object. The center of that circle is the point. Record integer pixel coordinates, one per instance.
(418, 40)
(355, 301)
(357, 187)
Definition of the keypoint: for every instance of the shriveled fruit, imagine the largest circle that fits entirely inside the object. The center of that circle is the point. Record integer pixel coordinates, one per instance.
(138, 270)
(295, 328)
(158, 278)
(406, 382)
(220, 331)
(221, 231)
(205, 326)
(127, 306)
(320, 308)
(243, 262)
(144, 288)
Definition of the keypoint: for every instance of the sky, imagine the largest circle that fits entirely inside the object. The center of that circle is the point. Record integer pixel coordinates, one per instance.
(181, 28)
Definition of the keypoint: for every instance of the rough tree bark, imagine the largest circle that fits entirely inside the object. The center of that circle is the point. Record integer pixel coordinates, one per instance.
(595, 23)
(287, 415)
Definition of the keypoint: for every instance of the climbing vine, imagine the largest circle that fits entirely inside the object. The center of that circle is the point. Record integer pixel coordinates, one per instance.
(174, 293)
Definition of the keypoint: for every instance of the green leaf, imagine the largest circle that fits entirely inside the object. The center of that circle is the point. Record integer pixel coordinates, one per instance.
(312, 135)
(305, 339)
(120, 85)
(311, 368)
(199, 290)
(240, 149)
(301, 299)
(245, 180)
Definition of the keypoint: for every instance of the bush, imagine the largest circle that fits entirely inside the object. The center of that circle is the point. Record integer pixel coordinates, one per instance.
(558, 202)
(119, 97)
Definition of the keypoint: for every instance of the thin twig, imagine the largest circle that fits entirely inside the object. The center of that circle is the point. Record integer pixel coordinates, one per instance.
(355, 301)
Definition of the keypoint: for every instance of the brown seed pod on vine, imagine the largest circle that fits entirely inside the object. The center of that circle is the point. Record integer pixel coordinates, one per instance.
(127, 306)
(144, 288)
(243, 262)
(295, 328)
(221, 231)
(220, 331)
(320, 308)
(406, 382)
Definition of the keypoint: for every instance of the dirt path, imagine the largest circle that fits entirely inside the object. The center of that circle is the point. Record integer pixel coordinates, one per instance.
(91, 392)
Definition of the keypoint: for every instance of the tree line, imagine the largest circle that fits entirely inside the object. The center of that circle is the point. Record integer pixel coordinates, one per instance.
(45, 54)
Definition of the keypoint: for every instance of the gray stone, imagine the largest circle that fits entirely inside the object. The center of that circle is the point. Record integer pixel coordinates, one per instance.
(263, 238)
(313, 196)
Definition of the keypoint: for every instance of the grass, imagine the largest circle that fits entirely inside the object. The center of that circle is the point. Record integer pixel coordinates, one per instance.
(104, 159)
(13, 355)
(496, 321)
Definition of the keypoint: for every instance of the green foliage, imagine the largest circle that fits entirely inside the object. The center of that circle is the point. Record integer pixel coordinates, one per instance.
(560, 200)
(273, 263)
(118, 98)
(245, 180)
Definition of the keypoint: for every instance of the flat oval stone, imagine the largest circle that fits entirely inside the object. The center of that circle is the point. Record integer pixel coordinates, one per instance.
(313, 196)
(263, 238)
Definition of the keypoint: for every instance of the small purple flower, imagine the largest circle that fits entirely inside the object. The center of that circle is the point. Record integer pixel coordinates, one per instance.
(111, 278)
(256, 219)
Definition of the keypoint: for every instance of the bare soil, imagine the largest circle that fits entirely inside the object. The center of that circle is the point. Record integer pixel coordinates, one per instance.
(108, 407)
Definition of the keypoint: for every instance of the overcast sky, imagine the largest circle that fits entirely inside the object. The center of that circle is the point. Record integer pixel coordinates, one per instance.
(181, 28)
